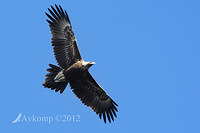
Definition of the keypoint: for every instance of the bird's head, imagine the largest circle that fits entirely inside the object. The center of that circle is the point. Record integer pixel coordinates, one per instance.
(87, 65)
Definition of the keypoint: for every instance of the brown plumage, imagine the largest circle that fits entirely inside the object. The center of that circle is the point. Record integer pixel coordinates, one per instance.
(73, 69)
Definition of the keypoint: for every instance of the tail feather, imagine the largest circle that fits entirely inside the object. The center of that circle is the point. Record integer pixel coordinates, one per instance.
(50, 82)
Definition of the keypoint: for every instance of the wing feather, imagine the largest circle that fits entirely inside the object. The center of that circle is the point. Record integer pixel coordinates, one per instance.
(63, 40)
(92, 95)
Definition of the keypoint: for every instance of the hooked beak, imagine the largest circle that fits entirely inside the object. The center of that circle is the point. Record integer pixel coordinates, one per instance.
(92, 63)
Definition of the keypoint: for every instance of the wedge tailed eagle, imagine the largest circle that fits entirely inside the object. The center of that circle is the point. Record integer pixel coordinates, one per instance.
(73, 69)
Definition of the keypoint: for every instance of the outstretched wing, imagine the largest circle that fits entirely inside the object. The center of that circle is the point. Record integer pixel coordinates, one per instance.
(63, 39)
(92, 95)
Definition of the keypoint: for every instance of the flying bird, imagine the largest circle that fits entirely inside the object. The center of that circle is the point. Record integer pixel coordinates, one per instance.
(73, 69)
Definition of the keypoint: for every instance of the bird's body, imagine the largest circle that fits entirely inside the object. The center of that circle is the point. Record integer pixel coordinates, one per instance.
(73, 69)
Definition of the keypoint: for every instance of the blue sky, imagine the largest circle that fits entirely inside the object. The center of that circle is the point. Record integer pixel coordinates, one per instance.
(147, 59)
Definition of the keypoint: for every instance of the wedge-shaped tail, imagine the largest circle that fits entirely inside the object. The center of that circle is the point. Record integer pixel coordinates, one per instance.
(50, 79)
